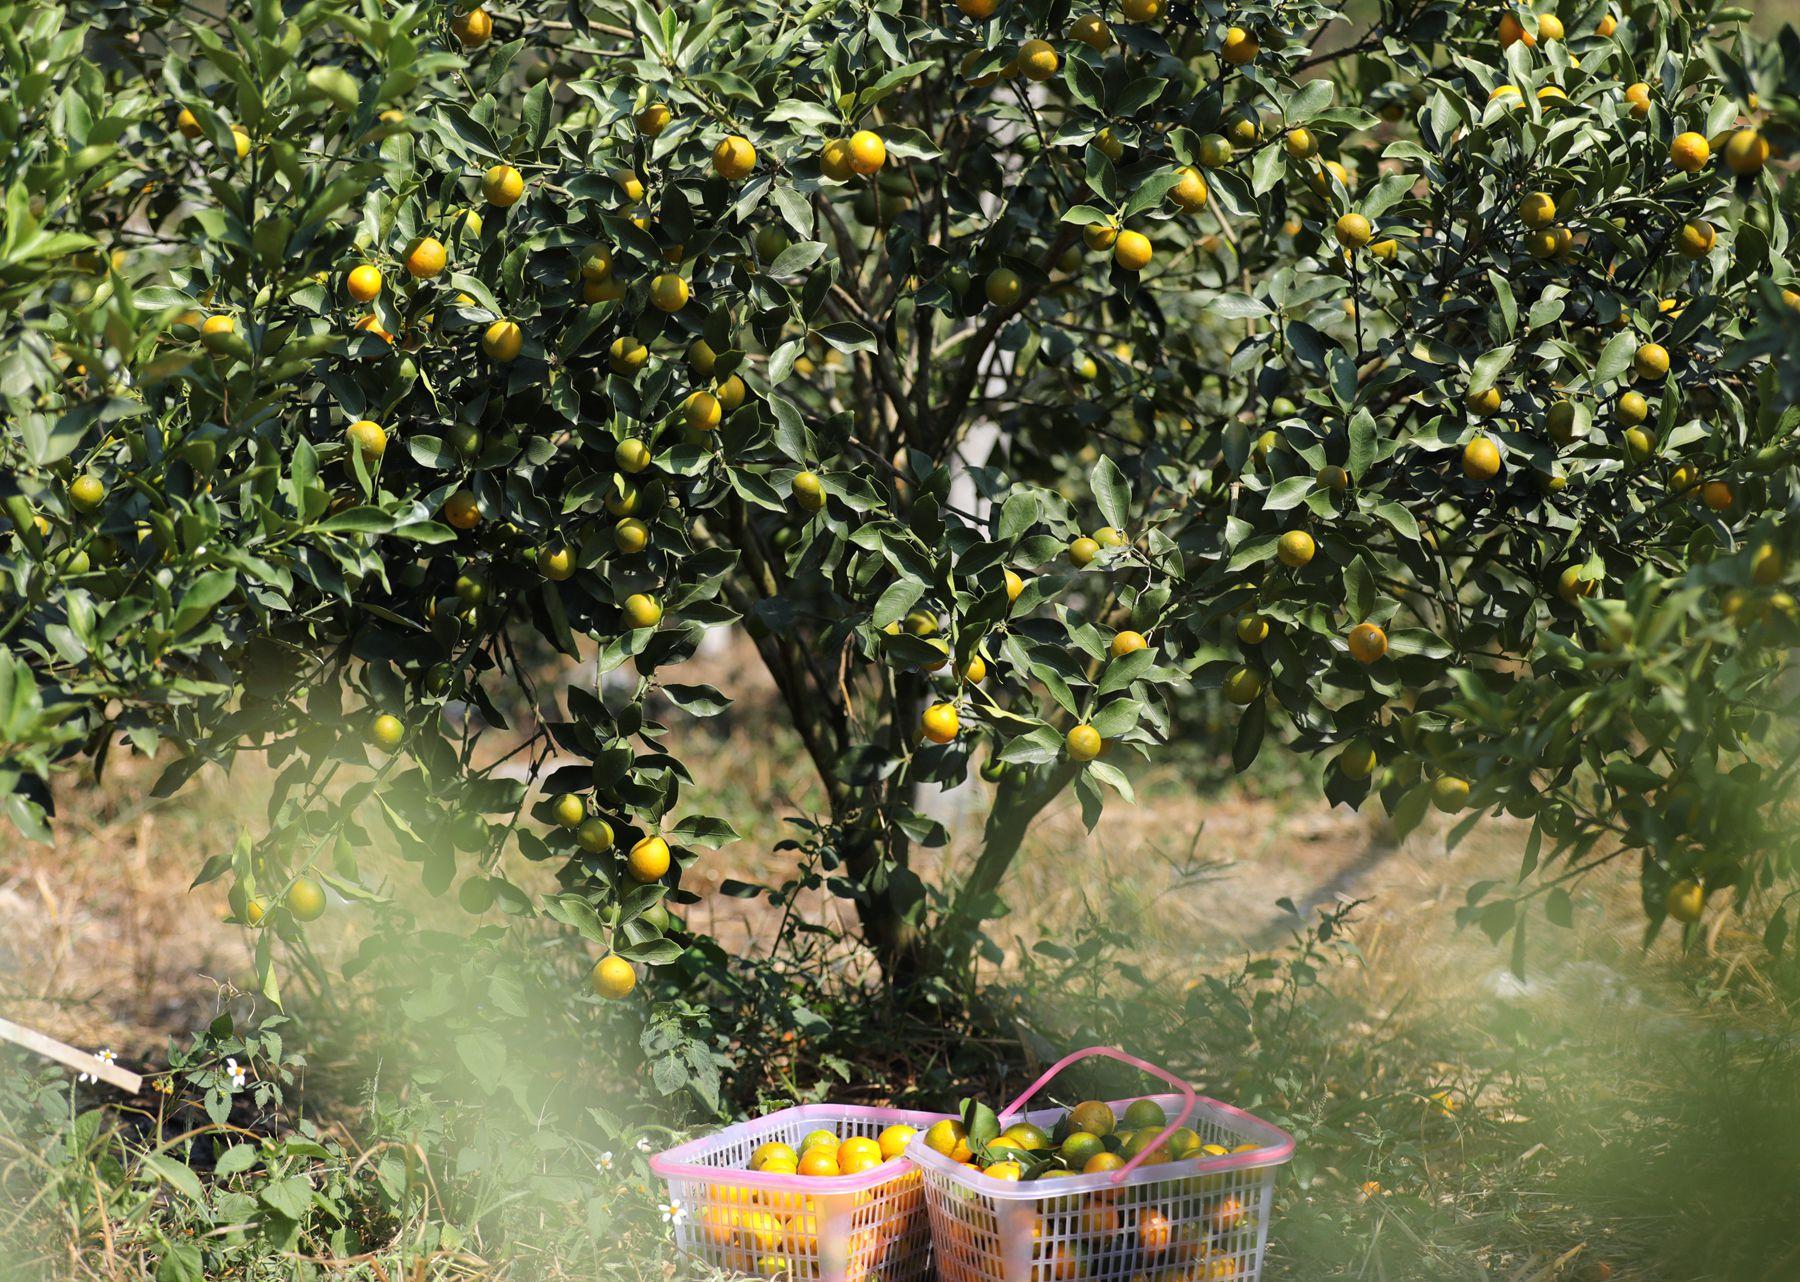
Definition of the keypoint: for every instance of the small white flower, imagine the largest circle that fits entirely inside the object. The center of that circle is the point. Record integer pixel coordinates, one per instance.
(105, 1057)
(672, 1214)
(643, 1144)
(605, 1161)
(238, 1073)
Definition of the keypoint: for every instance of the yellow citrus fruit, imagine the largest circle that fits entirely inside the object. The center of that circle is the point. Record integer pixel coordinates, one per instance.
(216, 332)
(1537, 209)
(834, 160)
(1512, 31)
(425, 258)
(648, 860)
(612, 977)
(1132, 251)
(363, 284)
(1718, 496)
(1092, 31)
(386, 731)
(240, 142)
(1239, 47)
(473, 28)
(1295, 549)
(1083, 742)
(894, 1139)
(306, 899)
(974, 671)
(502, 341)
(1099, 236)
(1631, 409)
(1004, 287)
(1357, 760)
(701, 411)
(368, 437)
(627, 355)
(502, 185)
(669, 292)
(1449, 793)
(940, 723)
(867, 152)
(642, 611)
(188, 124)
(980, 10)
(1300, 143)
(1253, 629)
(1483, 401)
(734, 158)
(1481, 459)
(461, 510)
(1651, 362)
(950, 1138)
(1014, 586)
(653, 119)
(1243, 685)
(773, 1150)
(1696, 238)
(1746, 151)
(1127, 642)
(1143, 10)
(1690, 152)
(1367, 642)
(1190, 193)
(1549, 27)
(1685, 900)
(1038, 60)
(556, 563)
(1638, 95)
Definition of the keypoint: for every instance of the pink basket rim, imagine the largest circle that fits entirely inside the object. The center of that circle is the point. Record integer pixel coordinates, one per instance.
(1275, 1153)
(678, 1161)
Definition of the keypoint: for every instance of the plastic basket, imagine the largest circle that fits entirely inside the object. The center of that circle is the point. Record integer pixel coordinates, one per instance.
(848, 1228)
(1196, 1220)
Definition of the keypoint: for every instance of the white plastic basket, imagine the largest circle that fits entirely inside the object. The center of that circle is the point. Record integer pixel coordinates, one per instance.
(1203, 1219)
(848, 1228)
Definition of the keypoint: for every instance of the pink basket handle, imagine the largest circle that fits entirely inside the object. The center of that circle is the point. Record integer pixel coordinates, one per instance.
(1188, 1099)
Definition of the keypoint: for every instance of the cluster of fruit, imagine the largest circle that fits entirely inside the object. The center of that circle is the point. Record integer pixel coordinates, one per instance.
(824, 1153)
(1087, 1140)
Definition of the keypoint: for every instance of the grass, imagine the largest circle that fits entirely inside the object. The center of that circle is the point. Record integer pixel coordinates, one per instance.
(1617, 1113)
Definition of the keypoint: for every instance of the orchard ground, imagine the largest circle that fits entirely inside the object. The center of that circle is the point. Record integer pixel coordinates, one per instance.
(1615, 1112)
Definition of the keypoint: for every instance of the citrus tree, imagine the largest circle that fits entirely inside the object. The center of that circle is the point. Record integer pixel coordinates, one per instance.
(1007, 370)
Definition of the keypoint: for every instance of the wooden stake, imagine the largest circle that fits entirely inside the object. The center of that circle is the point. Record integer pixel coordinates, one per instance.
(81, 1061)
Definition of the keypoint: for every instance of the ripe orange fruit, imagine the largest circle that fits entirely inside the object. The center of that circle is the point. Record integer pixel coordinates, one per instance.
(1295, 549)
(1083, 742)
(1746, 151)
(1142, 10)
(306, 899)
(612, 977)
(1300, 143)
(1606, 26)
(216, 332)
(1038, 60)
(653, 119)
(1638, 95)
(1549, 27)
(1483, 401)
(1243, 685)
(1126, 643)
(648, 860)
(1353, 231)
(980, 10)
(1537, 209)
(1014, 586)
(473, 28)
(1690, 152)
(701, 411)
(834, 160)
(502, 341)
(1367, 642)
(368, 437)
(425, 258)
(1481, 459)
(1190, 193)
(1512, 31)
(1631, 409)
(669, 292)
(1571, 587)
(631, 536)
(1239, 47)
(363, 284)
(940, 723)
(1695, 240)
(188, 124)
(1092, 31)
(556, 563)
(1651, 362)
(1131, 250)
(461, 510)
(868, 153)
(974, 671)
(627, 356)
(949, 1137)
(1718, 495)
(642, 611)
(1685, 900)
(502, 185)
(734, 158)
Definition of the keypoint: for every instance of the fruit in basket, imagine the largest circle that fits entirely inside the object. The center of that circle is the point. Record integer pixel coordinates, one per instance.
(1184, 1143)
(1144, 1141)
(771, 1151)
(1026, 1136)
(1092, 1116)
(1005, 1171)
(1080, 1147)
(1101, 1162)
(819, 1161)
(824, 1139)
(894, 1139)
(951, 1138)
(1144, 1113)
(1227, 1215)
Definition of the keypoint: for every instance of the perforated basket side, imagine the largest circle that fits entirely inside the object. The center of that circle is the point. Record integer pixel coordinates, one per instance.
(1189, 1221)
(864, 1228)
